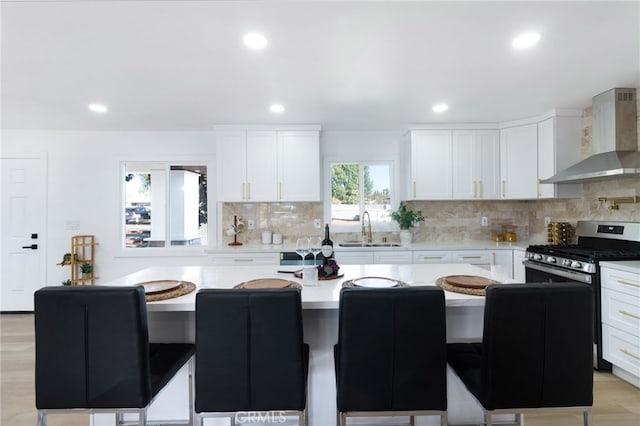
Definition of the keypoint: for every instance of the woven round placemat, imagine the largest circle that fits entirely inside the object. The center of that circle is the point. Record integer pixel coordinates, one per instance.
(261, 283)
(349, 283)
(442, 283)
(185, 287)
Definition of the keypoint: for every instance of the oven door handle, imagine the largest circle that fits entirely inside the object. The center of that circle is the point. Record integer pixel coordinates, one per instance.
(572, 275)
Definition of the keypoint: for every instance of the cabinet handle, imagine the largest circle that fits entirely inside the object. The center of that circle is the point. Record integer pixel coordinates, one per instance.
(433, 257)
(631, 354)
(481, 192)
(414, 189)
(632, 284)
(629, 314)
(243, 191)
(475, 189)
(504, 194)
(243, 260)
(493, 258)
(279, 190)
(472, 257)
(538, 188)
(248, 191)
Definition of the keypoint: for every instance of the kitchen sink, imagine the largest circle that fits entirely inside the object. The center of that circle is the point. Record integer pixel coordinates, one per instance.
(361, 244)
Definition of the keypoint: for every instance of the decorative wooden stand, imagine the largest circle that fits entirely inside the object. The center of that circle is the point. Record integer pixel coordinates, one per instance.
(82, 251)
(235, 236)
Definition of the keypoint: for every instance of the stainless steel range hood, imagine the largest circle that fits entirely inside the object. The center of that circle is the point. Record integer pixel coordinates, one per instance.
(614, 141)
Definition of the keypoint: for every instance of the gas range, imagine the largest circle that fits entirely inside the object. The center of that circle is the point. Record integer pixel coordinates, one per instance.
(597, 241)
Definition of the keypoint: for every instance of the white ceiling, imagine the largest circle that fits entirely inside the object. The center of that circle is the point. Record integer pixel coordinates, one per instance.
(181, 65)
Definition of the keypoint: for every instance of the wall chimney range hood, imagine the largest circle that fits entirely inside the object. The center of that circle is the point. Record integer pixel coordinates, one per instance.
(614, 141)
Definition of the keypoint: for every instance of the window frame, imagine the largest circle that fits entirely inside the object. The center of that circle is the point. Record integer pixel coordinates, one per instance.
(167, 250)
(390, 226)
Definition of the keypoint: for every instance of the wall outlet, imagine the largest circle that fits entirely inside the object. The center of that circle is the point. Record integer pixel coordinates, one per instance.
(484, 221)
(317, 223)
(547, 220)
(251, 224)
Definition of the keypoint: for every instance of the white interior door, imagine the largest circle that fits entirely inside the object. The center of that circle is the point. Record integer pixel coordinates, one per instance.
(23, 225)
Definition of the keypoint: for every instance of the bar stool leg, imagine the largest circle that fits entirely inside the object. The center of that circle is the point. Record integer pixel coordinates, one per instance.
(412, 421)
(42, 418)
(487, 419)
(444, 420)
(587, 417)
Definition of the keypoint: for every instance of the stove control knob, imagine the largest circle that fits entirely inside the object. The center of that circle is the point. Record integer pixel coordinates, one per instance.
(576, 265)
(566, 262)
(537, 257)
(551, 259)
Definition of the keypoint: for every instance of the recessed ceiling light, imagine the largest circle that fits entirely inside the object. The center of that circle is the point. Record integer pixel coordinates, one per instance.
(440, 108)
(98, 108)
(276, 108)
(525, 40)
(255, 41)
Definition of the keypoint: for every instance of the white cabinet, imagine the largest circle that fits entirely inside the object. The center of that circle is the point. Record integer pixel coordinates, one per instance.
(559, 139)
(430, 152)
(476, 170)
(392, 257)
(519, 275)
(518, 162)
(247, 258)
(298, 166)
(246, 165)
(267, 165)
(620, 303)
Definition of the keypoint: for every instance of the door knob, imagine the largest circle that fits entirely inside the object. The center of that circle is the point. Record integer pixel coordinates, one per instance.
(32, 247)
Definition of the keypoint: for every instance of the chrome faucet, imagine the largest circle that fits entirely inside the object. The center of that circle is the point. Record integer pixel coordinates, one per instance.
(365, 232)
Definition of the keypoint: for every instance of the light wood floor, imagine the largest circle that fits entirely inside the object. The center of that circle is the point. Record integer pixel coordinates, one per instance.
(616, 403)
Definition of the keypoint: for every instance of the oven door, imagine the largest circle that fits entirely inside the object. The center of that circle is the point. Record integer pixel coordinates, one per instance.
(537, 273)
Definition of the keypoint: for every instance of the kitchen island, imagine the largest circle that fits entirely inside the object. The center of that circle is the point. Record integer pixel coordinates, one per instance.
(173, 320)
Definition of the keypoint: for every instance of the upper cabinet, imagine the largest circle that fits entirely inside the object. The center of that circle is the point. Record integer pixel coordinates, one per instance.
(537, 150)
(431, 164)
(298, 166)
(267, 165)
(476, 170)
(559, 140)
(518, 162)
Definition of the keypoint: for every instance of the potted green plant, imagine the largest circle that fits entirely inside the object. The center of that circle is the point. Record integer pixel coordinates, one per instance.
(87, 270)
(407, 219)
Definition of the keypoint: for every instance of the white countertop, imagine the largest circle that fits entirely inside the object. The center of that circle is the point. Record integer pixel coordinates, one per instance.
(323, 296)
(632, 266)
(436, 245)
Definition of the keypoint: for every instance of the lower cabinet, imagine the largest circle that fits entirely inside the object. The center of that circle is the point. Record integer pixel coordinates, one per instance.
(620, 305)
(245, 258)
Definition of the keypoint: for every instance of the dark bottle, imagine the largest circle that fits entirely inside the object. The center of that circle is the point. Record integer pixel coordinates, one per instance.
(327, 246)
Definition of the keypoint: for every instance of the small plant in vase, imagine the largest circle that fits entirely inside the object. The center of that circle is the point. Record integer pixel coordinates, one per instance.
(407, 219)
(87, 270)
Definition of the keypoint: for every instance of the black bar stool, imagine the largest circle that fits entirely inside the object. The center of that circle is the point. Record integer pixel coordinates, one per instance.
(250, 355)
(536, 351)
(93, 353)
(391, 353)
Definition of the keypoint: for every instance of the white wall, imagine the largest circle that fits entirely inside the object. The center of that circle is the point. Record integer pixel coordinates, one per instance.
(83, 185)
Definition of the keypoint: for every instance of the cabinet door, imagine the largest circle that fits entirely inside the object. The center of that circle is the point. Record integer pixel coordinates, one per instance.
(546, 157)
(262, 166)
(476, 171)
(431, 165)
(231, 155)
(519, 162)
(465, 166)
(298, 166)
(487, 154)
(519, 275)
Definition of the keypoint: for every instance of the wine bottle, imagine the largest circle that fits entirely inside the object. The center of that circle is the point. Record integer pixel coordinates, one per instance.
(327, 246)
